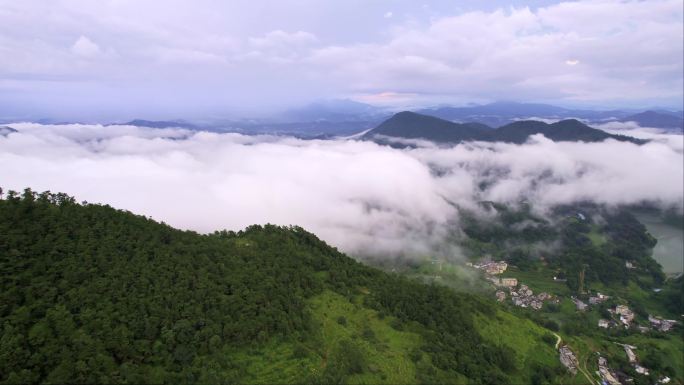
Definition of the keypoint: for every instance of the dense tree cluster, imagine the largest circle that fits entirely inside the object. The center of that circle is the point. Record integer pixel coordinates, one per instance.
(91, 294)
(509, 233)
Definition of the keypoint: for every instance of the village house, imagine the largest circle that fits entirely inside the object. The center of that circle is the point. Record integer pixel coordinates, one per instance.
(631, 356)
(496, 267)
(607, 376)
(491, 268)
(581, 306)
(599, 298)
(633, 360)
(641, 370)
(568, 359)
(603, 323)
(525, 291)
(626, 315)
(663, 325)
(500, 296)
(509, 282)
(525, 297)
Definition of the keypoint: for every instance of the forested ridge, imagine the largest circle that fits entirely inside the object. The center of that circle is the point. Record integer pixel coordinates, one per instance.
(91, 294)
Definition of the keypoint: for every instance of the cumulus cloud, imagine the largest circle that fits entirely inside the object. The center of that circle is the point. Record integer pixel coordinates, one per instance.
(85, 47)
(359, 196)
(250, 54)
(519, 52)
(280, 46)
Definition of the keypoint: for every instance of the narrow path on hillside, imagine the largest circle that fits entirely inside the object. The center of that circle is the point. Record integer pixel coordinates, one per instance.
(558, 339)
(581, 369)
(586, 374)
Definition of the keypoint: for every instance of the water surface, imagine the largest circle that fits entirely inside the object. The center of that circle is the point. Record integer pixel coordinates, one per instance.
(669, 250)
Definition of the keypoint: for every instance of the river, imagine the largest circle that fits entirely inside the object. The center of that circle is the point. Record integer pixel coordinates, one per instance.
(669, 251)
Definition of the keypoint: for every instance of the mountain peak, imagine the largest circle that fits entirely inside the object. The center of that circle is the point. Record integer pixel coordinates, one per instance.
(412, 125)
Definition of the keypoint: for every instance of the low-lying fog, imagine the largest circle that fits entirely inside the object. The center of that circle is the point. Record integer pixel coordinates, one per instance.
(359, 196)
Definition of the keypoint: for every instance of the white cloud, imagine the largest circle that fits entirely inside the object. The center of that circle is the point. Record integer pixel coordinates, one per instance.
(359, 196)
(85, 47)
(388, 15)
(278, 39)
(518, 53)
(272, 52)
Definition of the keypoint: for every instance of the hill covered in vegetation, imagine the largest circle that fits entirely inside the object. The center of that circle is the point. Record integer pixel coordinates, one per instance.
(91, 294)
(410, 125)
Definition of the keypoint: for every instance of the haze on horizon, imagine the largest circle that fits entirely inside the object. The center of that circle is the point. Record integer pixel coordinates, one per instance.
(120, 59)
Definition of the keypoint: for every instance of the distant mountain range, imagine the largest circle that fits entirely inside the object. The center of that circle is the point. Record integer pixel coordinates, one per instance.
(411, 125)
(502, 113)
(330, 118)
(662, 120)
(159, 124)
(336, 110)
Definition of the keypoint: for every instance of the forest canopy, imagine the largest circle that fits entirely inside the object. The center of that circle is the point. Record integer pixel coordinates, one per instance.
(91, 294)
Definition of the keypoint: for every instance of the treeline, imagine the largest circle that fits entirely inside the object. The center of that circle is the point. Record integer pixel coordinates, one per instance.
(91, 294)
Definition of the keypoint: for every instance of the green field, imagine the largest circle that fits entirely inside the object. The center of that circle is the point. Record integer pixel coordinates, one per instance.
(525, 338)
(384, 350)
(451, 274)
(539, 280)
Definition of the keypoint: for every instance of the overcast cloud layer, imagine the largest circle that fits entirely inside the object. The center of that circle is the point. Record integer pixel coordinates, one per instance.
(76, 59)
(359, 196)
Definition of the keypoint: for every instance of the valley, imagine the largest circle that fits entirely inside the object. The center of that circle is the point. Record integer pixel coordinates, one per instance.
(333, 319)
(342, 192)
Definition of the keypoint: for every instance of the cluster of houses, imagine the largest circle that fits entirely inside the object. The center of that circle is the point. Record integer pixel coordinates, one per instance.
(524, 297)
(607, 375)
(520, 296)
(633, 360)
(627, 318)
(663, 325)
(626, 315)
(491, 268)
(593, 300)
(568, 359)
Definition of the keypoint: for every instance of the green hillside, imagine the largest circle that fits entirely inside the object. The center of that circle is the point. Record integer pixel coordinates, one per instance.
(91, 294)
(411, 125)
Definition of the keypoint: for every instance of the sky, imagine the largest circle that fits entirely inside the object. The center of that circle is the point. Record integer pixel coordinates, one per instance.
(361, 197)
(117, 59)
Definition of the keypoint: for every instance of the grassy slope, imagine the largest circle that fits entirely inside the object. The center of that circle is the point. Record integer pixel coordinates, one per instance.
(525, 338)
(386, 354)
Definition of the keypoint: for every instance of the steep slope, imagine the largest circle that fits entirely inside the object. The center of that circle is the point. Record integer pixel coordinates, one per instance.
(569, 130)
(91, 294)
(411, 125)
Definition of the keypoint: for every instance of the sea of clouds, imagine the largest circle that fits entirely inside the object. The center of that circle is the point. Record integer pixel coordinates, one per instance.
(359, 196)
